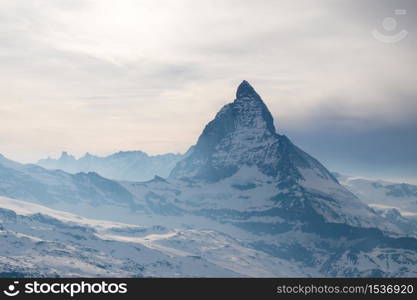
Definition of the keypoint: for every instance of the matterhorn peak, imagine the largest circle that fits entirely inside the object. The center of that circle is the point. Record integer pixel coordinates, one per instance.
(243, 134)
(245, 90)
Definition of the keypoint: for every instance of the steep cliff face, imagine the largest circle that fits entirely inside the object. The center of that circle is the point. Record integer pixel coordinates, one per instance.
(243, 134)
(242, 139)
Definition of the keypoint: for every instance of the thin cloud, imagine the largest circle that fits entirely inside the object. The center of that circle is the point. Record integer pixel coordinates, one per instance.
(137, 70)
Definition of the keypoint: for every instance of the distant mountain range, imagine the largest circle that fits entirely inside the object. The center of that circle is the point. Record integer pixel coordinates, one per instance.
(241, 179)
(49, 187)
(123, 165)
(383, 194)
(396, 202)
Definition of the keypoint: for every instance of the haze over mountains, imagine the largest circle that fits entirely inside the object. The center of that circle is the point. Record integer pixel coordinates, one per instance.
(240, 179)
(124, 165)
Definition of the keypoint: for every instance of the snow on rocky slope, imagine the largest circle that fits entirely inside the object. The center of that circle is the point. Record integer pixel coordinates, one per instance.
(242, 173)
(38, 241)
(284, 209)
(33, 183)
(396, 202)
(241, 145)
(383, 194)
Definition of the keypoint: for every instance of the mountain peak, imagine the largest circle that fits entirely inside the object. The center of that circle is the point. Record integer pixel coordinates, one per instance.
(243, 134)
(65, 156)
(88, 155)
(250, 111)
(245, 89)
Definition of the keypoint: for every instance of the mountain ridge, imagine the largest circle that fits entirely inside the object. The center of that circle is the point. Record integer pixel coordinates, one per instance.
(122, 165)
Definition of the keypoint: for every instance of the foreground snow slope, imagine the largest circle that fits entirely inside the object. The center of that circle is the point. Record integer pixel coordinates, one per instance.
(38, 241)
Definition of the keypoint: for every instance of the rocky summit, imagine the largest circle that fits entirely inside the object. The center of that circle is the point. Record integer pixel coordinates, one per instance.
(243, 134)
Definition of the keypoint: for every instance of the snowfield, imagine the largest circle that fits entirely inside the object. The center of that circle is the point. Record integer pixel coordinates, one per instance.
(38, 241)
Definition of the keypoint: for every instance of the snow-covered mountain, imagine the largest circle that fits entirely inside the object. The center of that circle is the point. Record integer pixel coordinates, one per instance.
(383, 194)
(241, 149)
(396, 202)
(33, 183)
(38, 241)
(241, 172)
(245, 180)
(123, 165)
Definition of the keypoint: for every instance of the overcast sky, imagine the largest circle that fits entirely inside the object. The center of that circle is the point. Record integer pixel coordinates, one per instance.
(103, 76)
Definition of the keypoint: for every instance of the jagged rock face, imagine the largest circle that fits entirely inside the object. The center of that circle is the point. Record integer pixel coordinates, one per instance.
(243, 133)
(242, 139)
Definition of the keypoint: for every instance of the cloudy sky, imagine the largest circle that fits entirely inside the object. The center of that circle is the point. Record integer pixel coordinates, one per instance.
(103, 76)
